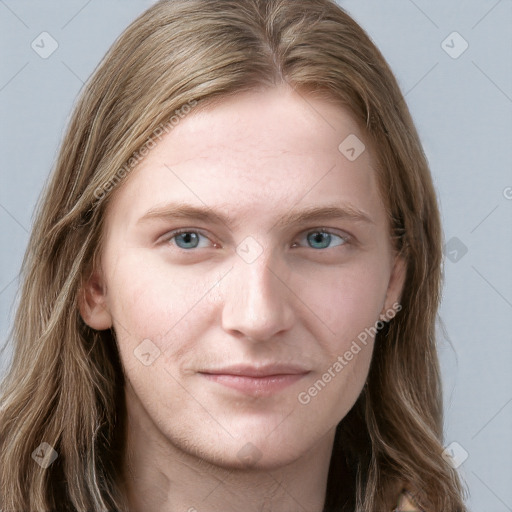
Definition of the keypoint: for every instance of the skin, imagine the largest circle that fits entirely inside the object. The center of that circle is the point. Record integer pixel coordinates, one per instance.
(255, 157)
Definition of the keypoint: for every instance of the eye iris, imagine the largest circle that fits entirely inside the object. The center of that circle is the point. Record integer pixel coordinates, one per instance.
(322, 238)
(187, 238)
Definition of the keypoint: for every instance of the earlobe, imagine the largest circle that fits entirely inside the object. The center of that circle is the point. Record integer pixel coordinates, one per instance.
(92, 303)
(396, 284)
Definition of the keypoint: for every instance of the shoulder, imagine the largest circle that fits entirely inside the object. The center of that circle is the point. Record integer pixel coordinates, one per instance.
(406, 503)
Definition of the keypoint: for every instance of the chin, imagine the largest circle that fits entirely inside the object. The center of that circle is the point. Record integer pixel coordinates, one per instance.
(251, 458)
(247, 452)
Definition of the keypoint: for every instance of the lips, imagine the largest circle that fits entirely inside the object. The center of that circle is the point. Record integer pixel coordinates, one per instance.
(258, 371)
(256, 381)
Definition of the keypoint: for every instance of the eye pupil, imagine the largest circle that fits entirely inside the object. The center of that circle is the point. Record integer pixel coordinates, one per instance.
(187, 238)
(322, 238)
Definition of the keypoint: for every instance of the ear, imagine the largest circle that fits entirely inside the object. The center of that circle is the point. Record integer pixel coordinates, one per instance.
(395, 285)
(93, 304)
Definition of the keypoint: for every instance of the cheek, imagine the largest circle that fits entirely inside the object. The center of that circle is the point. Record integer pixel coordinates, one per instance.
(345, 301)
(348, 302)
(150, 299)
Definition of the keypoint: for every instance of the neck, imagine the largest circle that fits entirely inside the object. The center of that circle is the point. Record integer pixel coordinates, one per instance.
(160, 476)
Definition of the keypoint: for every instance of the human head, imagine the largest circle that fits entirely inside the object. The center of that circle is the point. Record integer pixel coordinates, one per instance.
(156, 68)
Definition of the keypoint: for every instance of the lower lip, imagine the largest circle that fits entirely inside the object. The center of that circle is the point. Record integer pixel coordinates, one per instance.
(255, 385)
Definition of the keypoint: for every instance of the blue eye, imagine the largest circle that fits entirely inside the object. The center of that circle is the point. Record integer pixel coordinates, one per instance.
(186, 239)
(319, 239)
(322, 239)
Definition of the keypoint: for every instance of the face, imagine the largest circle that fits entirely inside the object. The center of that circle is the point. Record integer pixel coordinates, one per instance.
(245, 260)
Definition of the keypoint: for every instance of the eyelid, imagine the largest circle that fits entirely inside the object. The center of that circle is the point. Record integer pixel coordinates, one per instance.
(331, 231)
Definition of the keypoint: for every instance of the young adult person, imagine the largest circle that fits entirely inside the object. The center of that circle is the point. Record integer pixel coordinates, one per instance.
(230, 290)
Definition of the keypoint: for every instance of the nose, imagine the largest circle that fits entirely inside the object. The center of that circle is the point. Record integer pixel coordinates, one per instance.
(258, 300)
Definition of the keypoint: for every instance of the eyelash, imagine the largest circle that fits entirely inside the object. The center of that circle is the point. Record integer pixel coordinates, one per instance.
(345, 238)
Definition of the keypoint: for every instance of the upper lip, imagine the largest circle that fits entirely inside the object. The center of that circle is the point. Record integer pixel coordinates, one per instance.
(258, 371)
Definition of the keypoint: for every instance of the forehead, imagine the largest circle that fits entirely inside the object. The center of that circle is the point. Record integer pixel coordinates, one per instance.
(266, 123)
(266, 149)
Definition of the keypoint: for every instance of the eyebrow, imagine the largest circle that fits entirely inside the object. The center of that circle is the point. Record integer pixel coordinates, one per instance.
(187, 211)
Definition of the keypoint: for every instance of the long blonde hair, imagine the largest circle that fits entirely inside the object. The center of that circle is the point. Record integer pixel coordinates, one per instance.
(65, 384)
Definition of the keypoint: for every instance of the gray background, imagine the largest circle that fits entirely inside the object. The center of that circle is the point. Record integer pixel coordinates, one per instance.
(462, 107)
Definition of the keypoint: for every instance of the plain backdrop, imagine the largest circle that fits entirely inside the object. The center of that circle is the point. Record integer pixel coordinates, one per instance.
(453, 61)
